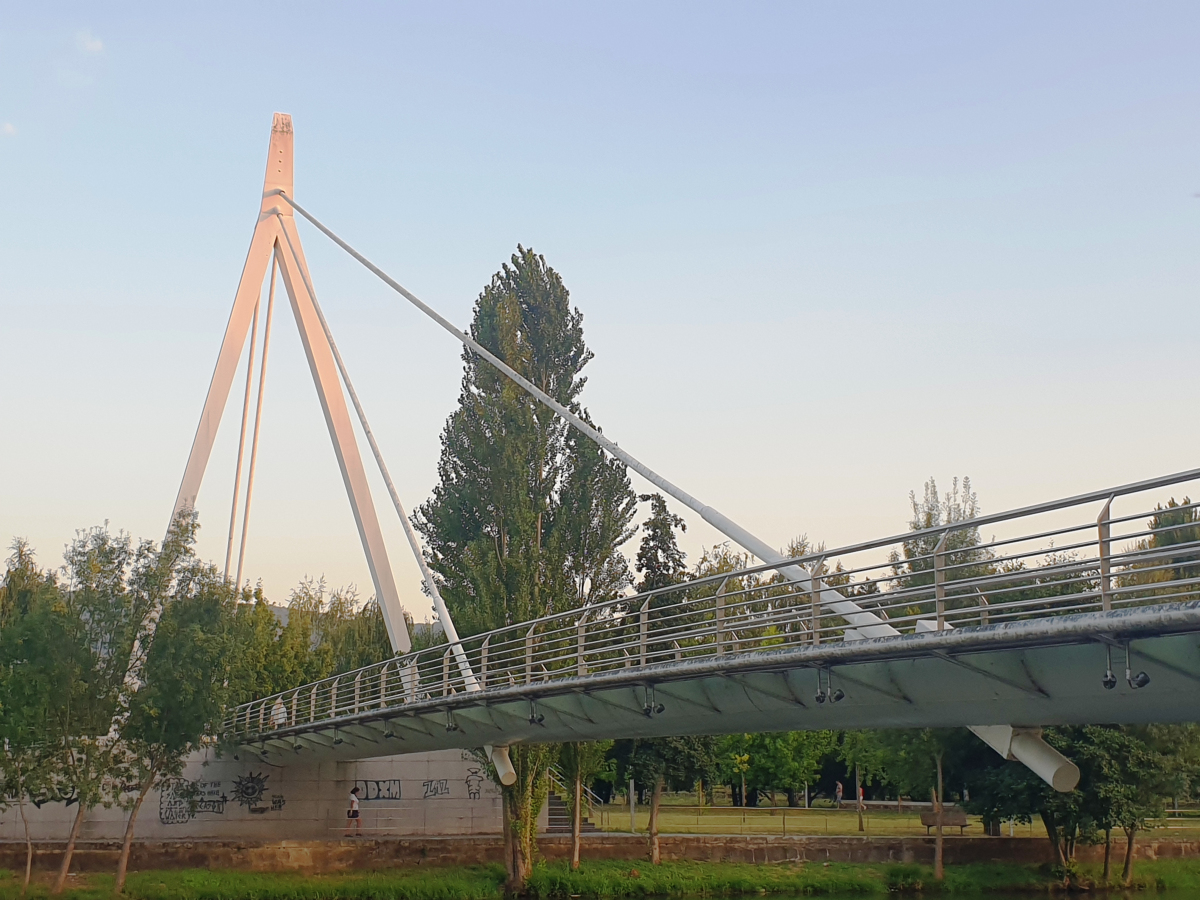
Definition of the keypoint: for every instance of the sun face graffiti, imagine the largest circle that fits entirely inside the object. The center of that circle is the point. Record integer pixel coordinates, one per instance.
(249, 790)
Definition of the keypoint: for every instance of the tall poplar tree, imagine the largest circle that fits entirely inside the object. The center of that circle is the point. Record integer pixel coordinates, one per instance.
(527, 516)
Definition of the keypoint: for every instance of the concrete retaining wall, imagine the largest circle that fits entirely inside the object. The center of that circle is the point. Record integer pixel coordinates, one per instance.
(228, 799)
(363, 854)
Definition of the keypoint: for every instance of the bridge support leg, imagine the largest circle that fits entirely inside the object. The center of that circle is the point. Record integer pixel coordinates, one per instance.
(502, 762)
(1025, 745)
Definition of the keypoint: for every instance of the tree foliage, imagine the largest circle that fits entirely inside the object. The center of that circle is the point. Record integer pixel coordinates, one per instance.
(527, 516)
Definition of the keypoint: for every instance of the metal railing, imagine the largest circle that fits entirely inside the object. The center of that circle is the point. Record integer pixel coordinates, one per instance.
(1100, 551)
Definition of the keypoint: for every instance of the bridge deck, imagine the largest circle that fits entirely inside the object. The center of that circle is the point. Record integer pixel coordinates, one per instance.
(923, 629)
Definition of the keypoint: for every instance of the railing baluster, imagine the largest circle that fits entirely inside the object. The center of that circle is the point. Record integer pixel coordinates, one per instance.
(529, 655)
(581, 645)
(1104, 526)
(333, 699)
(410, 678)
(357, 686)
(983, 607)
(939, 580)
(814, 586)
(643, 630)
(483, 662)
(295, 700)
(383, 685)
(312, 705)
(721, 618)
(446, 674)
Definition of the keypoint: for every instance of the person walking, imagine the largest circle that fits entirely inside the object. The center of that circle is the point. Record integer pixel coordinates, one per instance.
(837, 794)
(353, 822)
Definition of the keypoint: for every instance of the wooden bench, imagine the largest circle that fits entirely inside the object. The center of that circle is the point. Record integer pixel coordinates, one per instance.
(951, 818)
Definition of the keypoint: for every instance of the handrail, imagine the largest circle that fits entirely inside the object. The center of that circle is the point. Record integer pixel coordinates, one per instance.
(1024, 575)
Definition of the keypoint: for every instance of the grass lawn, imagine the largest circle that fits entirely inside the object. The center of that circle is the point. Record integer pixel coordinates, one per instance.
(599, 880)
(683, 816)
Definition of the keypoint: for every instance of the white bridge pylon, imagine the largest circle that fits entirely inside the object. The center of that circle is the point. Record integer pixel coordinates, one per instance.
(275, 237)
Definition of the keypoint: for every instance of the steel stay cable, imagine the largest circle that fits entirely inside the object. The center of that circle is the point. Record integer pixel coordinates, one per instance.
(870, 623)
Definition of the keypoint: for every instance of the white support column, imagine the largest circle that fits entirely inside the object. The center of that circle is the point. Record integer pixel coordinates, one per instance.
(341, 430)
(244, 302)
(275, 231)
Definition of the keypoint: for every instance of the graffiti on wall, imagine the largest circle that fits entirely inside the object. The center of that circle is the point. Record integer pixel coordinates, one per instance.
(438, 787)
(180, 801)
(249, 790)
(378, 789)
(474, 781)
(174, 804)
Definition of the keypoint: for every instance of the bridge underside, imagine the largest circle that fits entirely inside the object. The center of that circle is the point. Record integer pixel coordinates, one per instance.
(1043, 672)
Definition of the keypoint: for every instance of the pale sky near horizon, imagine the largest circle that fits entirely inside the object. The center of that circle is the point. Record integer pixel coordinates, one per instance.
(823, 251)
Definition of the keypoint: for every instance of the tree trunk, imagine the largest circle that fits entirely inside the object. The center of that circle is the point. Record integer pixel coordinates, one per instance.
(69, 851)
(506, 818)
(28, 845)
(858, 797)
(123, 862)
(655, 802)
(939, 868)
(1127, 872)
(577, 819)
(793, 797)
(1052, 833)
(1107, 856)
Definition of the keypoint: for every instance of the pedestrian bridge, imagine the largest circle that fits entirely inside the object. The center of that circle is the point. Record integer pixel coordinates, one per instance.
(1080, 610)
(1073, 613)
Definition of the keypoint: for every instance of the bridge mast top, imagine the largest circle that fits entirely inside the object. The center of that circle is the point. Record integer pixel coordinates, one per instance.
(279, 166)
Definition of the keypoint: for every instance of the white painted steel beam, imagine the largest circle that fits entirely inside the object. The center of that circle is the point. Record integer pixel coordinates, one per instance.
(275, 232)
(294, 270)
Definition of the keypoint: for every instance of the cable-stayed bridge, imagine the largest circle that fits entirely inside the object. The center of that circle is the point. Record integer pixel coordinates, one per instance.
(1081, 610)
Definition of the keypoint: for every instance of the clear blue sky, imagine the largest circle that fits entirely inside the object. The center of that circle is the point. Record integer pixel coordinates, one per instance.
(823, 251)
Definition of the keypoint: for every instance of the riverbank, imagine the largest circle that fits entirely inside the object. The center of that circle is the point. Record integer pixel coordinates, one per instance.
(603, 880)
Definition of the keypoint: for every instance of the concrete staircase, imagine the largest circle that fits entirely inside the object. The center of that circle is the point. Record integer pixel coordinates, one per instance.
(559, 817)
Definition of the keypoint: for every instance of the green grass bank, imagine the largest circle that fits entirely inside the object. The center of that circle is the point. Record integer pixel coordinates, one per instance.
(605, 881)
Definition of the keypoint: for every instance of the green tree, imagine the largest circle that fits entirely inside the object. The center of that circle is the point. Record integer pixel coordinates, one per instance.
(777, 761)
(526, 519)
(109, 591)
(659, 561)
(183, 684)
(30, 622)
(681, 761)
(866, 755)
(580, 762)
(914, 760)
(1008, 790)
(1133, 769)
(1177, 525)
(964, 557)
